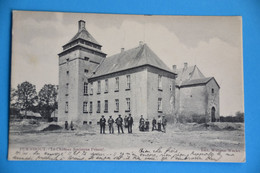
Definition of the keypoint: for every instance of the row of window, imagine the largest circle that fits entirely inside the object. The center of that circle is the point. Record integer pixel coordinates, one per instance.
(85, 87)
(128, 85)
(116, 87)
(89, 108)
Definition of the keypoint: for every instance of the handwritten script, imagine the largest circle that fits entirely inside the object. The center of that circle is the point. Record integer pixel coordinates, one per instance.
(141, 154)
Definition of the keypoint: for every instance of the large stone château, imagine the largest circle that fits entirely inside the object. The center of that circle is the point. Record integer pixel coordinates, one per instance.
(133, 81)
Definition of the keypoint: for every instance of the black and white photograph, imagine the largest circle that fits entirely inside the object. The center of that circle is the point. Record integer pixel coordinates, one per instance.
(120, 87)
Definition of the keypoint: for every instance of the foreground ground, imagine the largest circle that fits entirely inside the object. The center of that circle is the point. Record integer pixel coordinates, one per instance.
(181, 136)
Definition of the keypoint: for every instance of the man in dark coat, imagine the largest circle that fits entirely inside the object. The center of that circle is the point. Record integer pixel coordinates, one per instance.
(66, 125)
(130, 122)
(102, 123)
(147, 124)
(110, 122)
(119, 122)
(154, 124)
(72, 126)
(141, 123)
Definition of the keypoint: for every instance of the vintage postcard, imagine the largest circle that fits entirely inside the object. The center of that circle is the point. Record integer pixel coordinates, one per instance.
(126, 87)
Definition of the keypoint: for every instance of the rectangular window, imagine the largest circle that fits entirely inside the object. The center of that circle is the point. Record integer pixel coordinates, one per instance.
(98, 106)
(66, 107)
(98, 87)
(67, 89)
(117, 84)
(85, 107)
(85, 71)
(128, 105)
(117, 105)
(159, 104)
(106, 86)
(106, 106)
(68, 73)
(90, 107)
(91, 88)
(160, 82)
(128, 82)
(85, 88)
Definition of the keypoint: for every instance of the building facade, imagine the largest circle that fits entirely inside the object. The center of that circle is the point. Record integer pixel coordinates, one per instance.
(134, 81)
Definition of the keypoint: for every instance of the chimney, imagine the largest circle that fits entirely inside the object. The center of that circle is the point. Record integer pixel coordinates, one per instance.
(185, 66)
(174, 67)
(81, 25)
(141, 43)
(122, 49)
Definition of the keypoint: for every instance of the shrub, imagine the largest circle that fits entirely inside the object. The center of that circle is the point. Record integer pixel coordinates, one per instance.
(198, 118)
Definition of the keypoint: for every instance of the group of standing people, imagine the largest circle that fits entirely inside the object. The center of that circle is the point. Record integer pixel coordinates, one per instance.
(67, 127)
(128, 121)
(159, 124)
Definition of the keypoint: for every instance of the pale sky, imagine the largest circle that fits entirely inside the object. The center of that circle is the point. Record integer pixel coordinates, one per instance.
(214, 44)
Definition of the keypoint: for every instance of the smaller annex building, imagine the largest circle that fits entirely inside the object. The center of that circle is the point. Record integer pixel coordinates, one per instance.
(197, 96)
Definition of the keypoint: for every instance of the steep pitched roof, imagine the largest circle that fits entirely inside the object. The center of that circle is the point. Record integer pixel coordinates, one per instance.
(188, 73)
(138, 56)
(85, 35)
(191, 76)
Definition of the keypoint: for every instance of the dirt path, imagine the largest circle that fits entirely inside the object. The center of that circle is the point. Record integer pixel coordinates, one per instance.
(181, 139)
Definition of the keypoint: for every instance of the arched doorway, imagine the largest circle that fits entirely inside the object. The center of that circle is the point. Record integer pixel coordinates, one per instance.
(213, 117)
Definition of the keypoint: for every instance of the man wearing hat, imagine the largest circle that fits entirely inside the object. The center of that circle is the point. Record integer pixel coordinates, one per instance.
(110, 122)
(119, 122)
(102, 123)
(130, 122)
(154, 124)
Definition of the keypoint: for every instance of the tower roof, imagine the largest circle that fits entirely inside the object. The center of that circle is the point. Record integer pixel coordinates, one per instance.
(135, 57)
(83, 34)
(188, 73)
